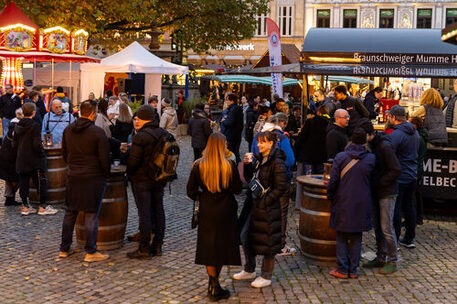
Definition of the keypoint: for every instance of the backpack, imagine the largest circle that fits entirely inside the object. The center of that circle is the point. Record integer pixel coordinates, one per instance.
(163, 161)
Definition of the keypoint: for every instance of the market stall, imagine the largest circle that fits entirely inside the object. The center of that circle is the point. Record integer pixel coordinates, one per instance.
(132, 59)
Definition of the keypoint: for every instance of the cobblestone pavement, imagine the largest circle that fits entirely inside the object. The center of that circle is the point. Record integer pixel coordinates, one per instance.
(30, 271)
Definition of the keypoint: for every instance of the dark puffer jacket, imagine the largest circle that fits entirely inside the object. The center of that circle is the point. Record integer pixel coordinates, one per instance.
(143, 145)
(30, 152)
(199, 129)
(310, 145)
(265, 226)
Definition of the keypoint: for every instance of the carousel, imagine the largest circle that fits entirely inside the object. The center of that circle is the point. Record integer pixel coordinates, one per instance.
(22, 41)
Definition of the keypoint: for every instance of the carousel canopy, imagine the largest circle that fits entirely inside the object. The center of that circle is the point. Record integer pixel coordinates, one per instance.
(11, 15)
(136, 59)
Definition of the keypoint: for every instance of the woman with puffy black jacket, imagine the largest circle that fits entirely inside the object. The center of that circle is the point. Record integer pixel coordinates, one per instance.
(264, 226)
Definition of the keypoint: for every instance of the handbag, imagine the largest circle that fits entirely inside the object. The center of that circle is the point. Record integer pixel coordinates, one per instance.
(258, 191)
(194, 221)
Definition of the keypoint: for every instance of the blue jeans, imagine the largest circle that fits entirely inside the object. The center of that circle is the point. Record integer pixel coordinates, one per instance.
(90, 227)
(348, 249)
(383, 218)
(5, 126)
(149, 201)
(405, 207)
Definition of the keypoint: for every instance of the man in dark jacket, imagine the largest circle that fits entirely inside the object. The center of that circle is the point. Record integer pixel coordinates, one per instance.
(8, 105)
(405, 142)
(199, 129)
(371, 100)
(251, 119)
(33, 97)
(354, 107)
(85, 149)
(31, 161)
(8, 163)
(310, 147)
(384, 192)
(337, 138)
(350, 192)
(148, 192)
(233, 125)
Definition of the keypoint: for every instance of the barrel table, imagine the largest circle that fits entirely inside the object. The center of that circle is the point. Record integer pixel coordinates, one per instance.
(317, 240)
(112, 220)
(57, 177)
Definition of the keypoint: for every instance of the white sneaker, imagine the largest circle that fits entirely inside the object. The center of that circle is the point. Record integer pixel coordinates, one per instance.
(260, 282)
(244, 275)
(287, 251)
(49, 210)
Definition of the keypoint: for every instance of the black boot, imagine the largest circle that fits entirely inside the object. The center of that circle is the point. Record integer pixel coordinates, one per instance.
(156, 249)
(141, 254)
(9, 201)
(134, 237)
(215, 291)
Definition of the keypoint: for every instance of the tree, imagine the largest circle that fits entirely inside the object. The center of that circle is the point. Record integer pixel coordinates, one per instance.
(202, 24)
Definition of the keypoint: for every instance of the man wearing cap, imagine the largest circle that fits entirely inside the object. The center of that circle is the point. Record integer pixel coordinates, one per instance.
(148, 192)
(405, 143)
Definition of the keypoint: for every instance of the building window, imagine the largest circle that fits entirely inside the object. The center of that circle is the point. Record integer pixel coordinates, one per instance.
(261, 29)
(323, 18)
(424, 18)
(285, 18)
(350, 18)
(451, 16)
(386, 18)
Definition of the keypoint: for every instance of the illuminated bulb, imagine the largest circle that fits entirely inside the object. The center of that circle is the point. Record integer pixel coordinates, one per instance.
(12, 73)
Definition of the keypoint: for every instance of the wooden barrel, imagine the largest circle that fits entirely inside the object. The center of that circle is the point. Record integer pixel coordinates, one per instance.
(112, 220)
(317, 240)
(57, 177)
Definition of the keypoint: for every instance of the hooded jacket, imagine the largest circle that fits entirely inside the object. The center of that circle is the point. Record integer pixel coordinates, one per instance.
(85, 149)
(336, 140)
(265, 225)
(169, 120)
(30, 152)
(387, 168)
(310, 145)
(351, 195)
(405, 142)
(199, 129)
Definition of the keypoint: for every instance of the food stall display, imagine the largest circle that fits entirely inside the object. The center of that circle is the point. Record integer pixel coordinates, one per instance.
(21, 40)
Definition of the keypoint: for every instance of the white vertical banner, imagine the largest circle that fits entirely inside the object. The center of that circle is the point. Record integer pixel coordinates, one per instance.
(274, 48)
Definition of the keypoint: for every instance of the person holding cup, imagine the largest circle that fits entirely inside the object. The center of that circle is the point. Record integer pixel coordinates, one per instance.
(261, 232)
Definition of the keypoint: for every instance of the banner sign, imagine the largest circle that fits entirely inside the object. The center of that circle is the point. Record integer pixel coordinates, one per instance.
(274, 48)
(440, 174)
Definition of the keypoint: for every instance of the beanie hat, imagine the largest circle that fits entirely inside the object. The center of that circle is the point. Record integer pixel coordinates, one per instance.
(145, 112)
(398, 111)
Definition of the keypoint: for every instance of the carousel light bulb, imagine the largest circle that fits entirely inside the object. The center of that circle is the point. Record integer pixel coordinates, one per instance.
(12, 73)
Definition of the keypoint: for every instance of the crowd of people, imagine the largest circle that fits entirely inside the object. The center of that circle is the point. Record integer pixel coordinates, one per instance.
(373, 182)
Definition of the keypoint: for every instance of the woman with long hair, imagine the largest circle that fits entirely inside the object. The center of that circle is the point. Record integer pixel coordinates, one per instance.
(431, 113)
(213, 182)
(124, 125)
(262, 231)
(102, 119)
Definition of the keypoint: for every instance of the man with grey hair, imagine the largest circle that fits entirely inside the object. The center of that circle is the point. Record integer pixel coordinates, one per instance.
(56, 121)
(337, 138)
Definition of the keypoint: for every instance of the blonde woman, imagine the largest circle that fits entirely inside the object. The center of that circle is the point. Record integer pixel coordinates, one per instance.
(213, 182)
(124, 126)
(431, 113)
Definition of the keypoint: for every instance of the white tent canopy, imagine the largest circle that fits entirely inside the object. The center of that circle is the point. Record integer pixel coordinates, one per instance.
(133, 59)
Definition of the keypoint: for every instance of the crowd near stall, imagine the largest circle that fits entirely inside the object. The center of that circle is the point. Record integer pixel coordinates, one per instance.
(368, 140)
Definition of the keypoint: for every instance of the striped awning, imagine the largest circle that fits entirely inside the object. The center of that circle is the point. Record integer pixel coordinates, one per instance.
(249, 79)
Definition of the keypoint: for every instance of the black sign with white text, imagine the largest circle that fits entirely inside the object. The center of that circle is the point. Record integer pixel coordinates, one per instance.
(440, 174)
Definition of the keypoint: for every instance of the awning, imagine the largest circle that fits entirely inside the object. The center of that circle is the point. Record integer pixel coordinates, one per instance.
(249, 79)
(350, 79)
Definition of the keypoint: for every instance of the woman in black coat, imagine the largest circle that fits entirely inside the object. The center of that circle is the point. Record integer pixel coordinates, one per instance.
(251, 119)
(124, 126)
(264, 232)
(213, 182)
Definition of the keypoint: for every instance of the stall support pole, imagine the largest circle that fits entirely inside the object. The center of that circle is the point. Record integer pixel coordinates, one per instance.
(70, 86)
(52, 74)
(305, 99)
(34, 71)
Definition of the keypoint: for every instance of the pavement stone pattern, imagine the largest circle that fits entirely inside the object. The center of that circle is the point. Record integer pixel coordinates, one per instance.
(31, 272)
